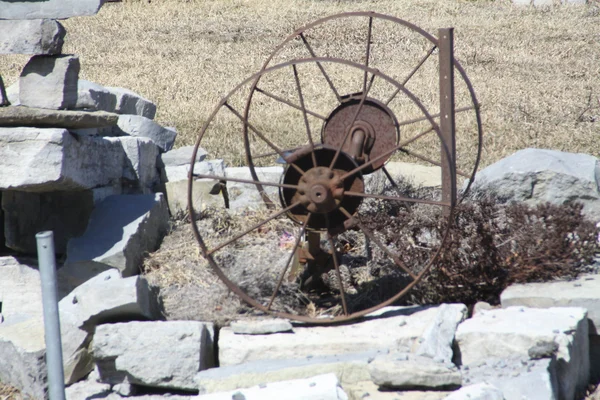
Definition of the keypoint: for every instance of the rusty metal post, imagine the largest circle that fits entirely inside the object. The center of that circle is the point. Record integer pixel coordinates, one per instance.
(447, 126)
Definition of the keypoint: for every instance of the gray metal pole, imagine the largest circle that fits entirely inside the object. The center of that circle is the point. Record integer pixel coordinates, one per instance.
(54, 361)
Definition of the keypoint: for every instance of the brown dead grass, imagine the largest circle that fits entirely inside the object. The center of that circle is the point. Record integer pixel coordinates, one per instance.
(10, 393)
(535, 70)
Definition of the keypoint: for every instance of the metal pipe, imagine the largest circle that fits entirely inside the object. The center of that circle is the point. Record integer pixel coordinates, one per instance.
(54, 361)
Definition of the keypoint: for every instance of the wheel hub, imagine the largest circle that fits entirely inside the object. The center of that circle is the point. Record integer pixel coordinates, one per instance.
(321, 190)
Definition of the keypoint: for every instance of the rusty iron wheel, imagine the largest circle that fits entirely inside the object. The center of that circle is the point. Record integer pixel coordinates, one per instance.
(321, 190)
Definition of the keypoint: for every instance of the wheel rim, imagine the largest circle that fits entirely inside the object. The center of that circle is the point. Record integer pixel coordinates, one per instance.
(302, 162)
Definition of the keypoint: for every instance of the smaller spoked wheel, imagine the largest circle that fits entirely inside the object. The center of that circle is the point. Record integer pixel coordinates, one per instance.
(318, 239)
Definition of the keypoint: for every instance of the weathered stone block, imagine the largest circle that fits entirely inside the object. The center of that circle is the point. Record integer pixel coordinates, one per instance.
(18, 282)
(53, 9)
(261, 327)
(45, 160)
(49, 82)
(91, 96)
(479, 391)
(35, 36)
(21, 116)
(140, 173)
(243, 195)
(131, 350)
(135, 125)
(182, 156)
(132, 103)
(515, 330)
(121, 230)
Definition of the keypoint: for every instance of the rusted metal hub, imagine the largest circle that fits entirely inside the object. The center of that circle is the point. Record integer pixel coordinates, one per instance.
(320, 188)
(374, 131)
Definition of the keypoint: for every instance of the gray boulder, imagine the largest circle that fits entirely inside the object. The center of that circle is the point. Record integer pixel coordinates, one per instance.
(536, 176)
(49, 81)
(46, 160)
(128, 102)
(20, 291)
(182, 156)
(91, 96)
(156, 354)
(140, 172)
(53, 9)
(135, 125)
(35, 36)
(121, 230)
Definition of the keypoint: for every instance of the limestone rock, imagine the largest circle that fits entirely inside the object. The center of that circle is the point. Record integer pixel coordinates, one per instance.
(369, 391)
(121, 230)
(128, 102)
(403, 371)
(349, 368)
(479, 391)
(35, 36)
(513, 331)
(87, 390)
(243, 195)
(398, 329)
(19, 281)
(91, 96)
(322, 387)
(536, 176)
(49, 81)
(415, 174)
(437, 339)
(182, 156)
(261, 327)
(582, 292)
(26, 213)
(53, 9)
(174, 173)
(131, 350)
(12, 92)
(135, 125)
(140, 173)
(46, 160)
(44, 118)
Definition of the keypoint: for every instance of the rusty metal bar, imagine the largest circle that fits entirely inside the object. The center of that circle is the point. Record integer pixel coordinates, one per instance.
(447, 126)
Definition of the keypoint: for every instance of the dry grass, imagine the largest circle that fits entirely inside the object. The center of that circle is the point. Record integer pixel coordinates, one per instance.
(535, 70)
(10, 393)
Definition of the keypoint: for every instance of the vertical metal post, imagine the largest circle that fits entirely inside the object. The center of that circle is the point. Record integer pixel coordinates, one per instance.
(447, 125)
(54, 361)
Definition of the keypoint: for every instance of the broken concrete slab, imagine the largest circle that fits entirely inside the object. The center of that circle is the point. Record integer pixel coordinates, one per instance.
(34, 36)
(49, 82)
(349, 368)
(513, 331)
(129, 102)
(397, 329)
(53, 9)
(92, 96)
(322, 387)
(261, 326)
(408, 371)
(582, 292)
(479, 391)
(16, 116)
(121, 230)
(244, 195)
(130, 351)
(136, 125)
(46, 160)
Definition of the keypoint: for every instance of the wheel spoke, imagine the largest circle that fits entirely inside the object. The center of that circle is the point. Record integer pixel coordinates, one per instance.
(337, 267)
(429, 160)
(329, 82)
(387, 153)
(358, 110)
(289, 103)
(247, 231)
(289, 260)
(260, 135)
(301, 99)
(248, 181)
(458, 110)
(397, 198)
(389, 176)
(374, 239)
(368, 55)
(414, 71)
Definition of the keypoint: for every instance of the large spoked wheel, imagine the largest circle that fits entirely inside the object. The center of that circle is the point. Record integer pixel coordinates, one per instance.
(321, 191)
(403, 52)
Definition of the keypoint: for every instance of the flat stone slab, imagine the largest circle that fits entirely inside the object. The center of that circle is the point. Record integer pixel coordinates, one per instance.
(243, 195)
(479, 391)
(349, 368)
(261, 326)
(136, 125)
(128, 102)
(369, 391)
(399, 329)
(182, 156)
(36, 36)
(582, 292)
(322, 387)
(46, 159)
(513, 331)
(165, 354)
(45, 118)
(406, 371)
(53, 9)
